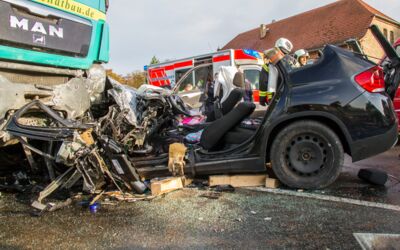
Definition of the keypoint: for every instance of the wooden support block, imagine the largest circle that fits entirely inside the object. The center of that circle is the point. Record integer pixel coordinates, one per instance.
(186, 181)
(237, 180)
(218, 180)
(272, 183)
(165, 186)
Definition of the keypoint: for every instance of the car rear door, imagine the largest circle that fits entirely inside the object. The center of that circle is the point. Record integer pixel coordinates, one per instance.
(392, 72)
(396, 100)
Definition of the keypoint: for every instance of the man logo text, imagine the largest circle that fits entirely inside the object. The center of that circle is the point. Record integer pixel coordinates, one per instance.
(36, 27)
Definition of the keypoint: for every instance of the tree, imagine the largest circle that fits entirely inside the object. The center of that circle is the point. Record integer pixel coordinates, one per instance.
(136, 79)
(115, 76)
(154, 60)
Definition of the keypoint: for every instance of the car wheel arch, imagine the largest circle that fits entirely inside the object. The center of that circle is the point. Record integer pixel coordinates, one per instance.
(329, 120)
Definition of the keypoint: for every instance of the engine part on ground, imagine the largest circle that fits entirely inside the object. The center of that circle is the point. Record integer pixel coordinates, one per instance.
(56, 206)
(128, 197)
(53, 186)
(139, 187)
(373, 176)
(127, 173)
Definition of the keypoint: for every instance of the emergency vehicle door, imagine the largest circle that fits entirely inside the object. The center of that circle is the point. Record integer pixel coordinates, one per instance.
(252, 80)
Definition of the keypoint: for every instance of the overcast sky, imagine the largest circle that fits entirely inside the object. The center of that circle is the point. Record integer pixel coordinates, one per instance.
(173, 29)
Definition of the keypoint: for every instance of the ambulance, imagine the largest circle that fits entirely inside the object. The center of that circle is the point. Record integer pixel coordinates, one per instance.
(198, 70)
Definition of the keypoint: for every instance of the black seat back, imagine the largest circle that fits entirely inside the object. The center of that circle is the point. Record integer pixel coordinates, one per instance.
(234, 97)
(214, 132)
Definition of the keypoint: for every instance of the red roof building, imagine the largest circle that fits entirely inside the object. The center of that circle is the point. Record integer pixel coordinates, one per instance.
(335, 23)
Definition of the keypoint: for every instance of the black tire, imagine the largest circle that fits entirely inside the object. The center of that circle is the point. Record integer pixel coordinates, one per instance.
(307, 154)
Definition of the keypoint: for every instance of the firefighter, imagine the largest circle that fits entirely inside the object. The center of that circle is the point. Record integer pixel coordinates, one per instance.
(286, 47)
(263, 88)
(302, 57)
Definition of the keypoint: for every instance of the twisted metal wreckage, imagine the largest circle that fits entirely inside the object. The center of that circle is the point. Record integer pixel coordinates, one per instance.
(104, 150)
(93, 131)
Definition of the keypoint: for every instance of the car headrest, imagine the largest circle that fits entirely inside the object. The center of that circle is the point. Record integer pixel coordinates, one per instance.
(238, 80)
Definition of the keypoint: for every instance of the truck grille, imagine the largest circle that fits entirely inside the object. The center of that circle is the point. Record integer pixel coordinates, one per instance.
(32, 78)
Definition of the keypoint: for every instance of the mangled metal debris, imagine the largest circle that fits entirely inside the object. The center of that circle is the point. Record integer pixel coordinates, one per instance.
(99, 153)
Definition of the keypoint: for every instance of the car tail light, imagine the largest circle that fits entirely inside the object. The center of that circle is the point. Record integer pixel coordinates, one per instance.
(372, 80)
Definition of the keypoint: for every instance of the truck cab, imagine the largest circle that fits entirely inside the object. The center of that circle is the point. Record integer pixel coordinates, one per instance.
(68, 34)
(52, 51)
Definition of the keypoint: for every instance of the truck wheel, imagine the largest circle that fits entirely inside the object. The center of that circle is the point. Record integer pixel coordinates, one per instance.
(307, 154)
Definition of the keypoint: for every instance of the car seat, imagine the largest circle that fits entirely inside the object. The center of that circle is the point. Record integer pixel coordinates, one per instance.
(220, 110)
(215, 131)
(238, 135)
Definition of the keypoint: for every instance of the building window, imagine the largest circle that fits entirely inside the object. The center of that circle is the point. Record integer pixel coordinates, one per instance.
(391, 37)
(385, 33)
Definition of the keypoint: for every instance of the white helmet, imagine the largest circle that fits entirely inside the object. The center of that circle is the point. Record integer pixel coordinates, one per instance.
(284, 45)
(301, 52)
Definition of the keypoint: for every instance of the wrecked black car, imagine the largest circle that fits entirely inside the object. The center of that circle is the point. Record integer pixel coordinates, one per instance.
(341, 104)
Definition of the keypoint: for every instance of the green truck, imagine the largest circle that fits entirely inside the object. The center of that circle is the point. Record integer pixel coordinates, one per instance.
(52, 51)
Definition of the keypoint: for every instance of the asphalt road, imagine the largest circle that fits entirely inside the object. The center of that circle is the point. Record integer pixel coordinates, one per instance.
(184, 219)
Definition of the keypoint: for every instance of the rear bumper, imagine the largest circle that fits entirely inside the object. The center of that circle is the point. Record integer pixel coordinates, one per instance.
(374, 145)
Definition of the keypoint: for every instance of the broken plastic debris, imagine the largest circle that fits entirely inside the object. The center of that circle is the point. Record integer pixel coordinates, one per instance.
(94, 208)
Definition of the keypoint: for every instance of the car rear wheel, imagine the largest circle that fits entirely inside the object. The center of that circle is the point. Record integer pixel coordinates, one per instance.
(307, 154)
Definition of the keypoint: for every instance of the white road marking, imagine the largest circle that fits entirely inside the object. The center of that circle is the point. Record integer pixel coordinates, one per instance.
(369, 241)
(327, 198)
